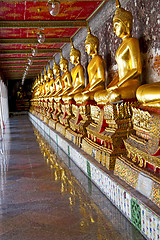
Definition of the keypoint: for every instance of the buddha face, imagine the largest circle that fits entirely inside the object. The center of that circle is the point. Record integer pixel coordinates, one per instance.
(90, 49)
(74, 59)
(56, 71)
(119, 29)
(63, 66)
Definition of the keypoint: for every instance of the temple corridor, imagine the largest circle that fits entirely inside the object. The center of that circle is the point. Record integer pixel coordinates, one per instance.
(41, 198)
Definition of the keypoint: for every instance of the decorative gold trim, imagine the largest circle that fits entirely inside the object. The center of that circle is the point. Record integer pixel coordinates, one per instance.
(42, 24)
(96, 10)
(138, 156)
(138, 169)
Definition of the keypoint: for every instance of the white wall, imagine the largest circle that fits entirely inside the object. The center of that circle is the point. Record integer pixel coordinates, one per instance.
(4, 110)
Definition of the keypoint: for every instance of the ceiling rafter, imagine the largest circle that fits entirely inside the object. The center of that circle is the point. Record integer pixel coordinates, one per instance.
(24, 51)
(42, 24)
(22, 70)
(25, 59)
(33, 40)
(21, 64)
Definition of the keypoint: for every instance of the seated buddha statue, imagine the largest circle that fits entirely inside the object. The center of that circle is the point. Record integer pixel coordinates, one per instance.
(77, 72)
(57, 82)
(149, 95)
(128, 60)
(42, 85)
(66, 78)
(51, 85)
(96, 70)
(58, 90)
(46, 79)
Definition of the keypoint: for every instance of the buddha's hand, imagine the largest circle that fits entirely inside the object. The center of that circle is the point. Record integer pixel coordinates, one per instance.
(96, 84)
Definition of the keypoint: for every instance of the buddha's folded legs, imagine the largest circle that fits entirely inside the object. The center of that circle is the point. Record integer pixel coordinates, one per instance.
(149, 94)
(83, 98)
(126, 91)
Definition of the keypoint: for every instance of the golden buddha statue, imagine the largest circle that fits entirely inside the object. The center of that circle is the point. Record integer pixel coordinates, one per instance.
(66, 106)
(128, 60)
(46, 79)
(51, 86)
(56, 95)
(42, 85)
(66, 77)
(96, 70)
(77, 72)
(58, 82)
(149, 95)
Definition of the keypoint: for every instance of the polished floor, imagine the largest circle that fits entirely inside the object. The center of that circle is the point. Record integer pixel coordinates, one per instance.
(42, 200)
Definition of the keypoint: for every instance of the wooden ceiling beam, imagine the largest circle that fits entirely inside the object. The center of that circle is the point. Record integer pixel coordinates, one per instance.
(33, 40)
(21, 75)
(42, 24)
(5, 65)
(24, 51)
(21, 68)
(24, 59)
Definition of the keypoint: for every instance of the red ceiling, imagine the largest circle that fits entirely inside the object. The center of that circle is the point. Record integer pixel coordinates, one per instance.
(31, 32)
(29, 10)
(37, 11)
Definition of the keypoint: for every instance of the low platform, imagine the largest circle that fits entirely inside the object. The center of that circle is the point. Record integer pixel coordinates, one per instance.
(137, 208)
(142, 181)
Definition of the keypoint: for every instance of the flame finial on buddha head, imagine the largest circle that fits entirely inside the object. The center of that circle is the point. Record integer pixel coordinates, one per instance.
(124, 16)
(74, 51)
(91, 39)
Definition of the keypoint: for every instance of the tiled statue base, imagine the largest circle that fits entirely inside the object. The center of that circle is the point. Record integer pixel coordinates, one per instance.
(45, 119)
(138, 179)
(106, 133)
(61, 128)
(100, 153)
(52, 123)
(74, 137)
(137, 208)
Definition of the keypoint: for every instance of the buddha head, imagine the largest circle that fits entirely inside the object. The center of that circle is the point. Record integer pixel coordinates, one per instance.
(63, 64)
(91, 43)
(56, 68)
(74, 55)
(122, 21)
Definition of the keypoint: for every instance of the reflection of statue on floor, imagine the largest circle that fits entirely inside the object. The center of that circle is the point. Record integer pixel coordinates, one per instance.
(128, 61)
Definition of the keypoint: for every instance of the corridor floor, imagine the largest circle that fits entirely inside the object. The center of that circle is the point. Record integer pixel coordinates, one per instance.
(42, 200)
